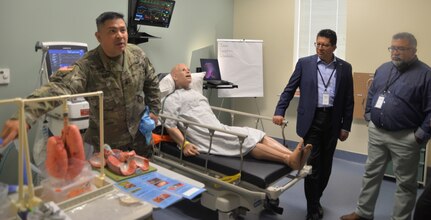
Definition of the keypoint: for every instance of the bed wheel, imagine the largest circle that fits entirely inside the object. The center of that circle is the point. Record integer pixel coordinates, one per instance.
(273, 206)
(234, 214)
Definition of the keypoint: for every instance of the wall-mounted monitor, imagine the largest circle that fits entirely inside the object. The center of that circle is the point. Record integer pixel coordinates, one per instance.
(63, 55)
(153, 12)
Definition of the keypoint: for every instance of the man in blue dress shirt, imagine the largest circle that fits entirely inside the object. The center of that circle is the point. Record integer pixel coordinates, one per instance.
(399, 111)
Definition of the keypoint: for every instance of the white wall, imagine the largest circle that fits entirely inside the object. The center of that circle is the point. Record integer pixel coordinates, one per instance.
(272, 22)
(194, 28)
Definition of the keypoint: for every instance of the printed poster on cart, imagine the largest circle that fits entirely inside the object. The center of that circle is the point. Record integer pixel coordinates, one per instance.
(158, 189)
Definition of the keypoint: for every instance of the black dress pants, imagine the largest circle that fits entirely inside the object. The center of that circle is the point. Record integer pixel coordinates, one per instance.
(324, 140)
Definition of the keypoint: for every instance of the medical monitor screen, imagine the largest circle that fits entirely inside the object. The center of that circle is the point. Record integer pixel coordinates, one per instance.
(153, 12)
(62, 56)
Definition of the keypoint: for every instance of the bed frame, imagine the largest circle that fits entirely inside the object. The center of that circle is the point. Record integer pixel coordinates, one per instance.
(234, 186)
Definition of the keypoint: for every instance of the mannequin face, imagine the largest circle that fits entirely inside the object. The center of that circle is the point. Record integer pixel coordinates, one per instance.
(182, 76)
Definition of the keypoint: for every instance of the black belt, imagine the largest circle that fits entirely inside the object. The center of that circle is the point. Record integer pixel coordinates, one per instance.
(324, 109)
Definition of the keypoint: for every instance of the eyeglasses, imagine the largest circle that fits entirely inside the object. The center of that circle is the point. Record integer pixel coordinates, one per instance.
(317, 45)
(400, 49)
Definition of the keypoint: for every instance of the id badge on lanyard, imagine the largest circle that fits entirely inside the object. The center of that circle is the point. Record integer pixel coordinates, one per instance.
(325, 96)
(380, 101)
(389, 82)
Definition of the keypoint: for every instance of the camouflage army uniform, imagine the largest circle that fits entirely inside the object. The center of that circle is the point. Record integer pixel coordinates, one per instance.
(123, 89)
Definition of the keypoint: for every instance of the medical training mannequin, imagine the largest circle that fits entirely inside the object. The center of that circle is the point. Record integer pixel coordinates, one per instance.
(188, 104)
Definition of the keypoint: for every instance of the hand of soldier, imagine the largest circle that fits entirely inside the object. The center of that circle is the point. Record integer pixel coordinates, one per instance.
(154, 117)
(10, 131)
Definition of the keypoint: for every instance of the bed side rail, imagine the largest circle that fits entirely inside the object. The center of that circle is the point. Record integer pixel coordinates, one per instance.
(234, 112)
(258, 118)
(211, 131)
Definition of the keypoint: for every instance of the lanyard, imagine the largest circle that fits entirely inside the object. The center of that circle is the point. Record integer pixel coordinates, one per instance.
(394, 78)
(329, 80)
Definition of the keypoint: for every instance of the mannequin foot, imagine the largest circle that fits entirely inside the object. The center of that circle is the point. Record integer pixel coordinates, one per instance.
(306, 151)
(294, 160)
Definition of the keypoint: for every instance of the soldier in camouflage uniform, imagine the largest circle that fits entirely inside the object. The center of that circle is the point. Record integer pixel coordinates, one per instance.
(125, 75)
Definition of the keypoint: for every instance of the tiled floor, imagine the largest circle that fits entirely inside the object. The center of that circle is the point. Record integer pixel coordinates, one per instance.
(338, 199)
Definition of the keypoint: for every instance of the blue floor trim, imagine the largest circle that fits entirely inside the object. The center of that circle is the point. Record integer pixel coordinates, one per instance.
(350, 156)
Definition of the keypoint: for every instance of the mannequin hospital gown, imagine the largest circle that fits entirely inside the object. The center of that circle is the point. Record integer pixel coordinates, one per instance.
(192, 106)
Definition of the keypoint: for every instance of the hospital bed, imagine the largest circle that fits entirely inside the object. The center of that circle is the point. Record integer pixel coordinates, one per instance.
(234, 186)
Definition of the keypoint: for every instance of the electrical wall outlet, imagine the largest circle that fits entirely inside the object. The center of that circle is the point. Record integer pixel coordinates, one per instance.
(4, 76)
